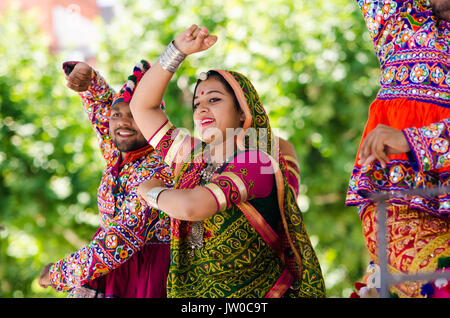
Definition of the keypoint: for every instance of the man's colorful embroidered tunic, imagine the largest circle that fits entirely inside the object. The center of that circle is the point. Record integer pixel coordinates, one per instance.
(127, 226)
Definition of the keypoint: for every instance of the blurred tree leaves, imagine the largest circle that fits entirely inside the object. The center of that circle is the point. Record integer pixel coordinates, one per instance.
(311, 62)
(47, 159)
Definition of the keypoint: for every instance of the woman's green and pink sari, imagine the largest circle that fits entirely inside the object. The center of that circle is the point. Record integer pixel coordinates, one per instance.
(256, 245)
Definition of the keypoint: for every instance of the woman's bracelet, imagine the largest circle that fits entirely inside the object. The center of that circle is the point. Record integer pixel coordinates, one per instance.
(152, 196)
(171, 58)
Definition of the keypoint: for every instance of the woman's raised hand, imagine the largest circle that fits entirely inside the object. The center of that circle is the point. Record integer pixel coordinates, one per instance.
(194, 39)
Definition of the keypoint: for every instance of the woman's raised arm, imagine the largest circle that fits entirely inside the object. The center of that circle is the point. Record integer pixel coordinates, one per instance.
(149, 93)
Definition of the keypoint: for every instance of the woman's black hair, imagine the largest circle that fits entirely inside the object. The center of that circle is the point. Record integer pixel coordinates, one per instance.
(216, 75)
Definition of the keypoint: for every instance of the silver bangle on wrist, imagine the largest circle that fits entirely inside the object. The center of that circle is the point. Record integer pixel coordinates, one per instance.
(171, 58)
(152, 196)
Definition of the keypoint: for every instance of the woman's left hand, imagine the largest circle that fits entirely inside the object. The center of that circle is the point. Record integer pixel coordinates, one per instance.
(146, 186)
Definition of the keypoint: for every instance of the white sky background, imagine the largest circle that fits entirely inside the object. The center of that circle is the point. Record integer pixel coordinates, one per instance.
(77, 36)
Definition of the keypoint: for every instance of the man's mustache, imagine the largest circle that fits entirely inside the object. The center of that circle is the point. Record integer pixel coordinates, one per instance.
(125, 129)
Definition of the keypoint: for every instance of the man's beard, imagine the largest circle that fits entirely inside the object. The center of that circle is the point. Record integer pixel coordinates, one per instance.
(127, 146)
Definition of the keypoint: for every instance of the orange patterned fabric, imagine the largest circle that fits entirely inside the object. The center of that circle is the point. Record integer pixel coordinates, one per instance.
(412, 46)
(416, 240)
(399, 174)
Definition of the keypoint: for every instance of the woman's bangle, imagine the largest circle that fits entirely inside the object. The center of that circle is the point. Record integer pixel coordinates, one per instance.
(171, 58)
(152, 196)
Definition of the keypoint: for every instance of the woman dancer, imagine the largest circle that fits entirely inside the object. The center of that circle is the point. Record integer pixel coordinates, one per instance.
(237, 230)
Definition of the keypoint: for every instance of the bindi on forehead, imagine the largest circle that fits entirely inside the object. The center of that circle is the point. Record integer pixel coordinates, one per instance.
(209, 92)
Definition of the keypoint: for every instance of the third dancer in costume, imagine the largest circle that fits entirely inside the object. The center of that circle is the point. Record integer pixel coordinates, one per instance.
(411, 39)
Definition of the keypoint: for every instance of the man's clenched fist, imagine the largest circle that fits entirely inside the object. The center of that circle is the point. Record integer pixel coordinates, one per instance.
(80, 77)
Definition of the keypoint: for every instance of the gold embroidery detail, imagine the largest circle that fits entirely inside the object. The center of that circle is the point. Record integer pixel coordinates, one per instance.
(295, 173)
(218, 193)
(239, 183)
(291, 159)
(156, 139)
(176, 145)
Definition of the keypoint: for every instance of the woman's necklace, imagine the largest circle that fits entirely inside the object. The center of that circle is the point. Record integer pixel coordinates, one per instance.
(207, 173)
(197, 230)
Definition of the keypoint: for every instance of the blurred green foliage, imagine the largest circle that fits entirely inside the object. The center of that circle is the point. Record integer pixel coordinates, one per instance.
(311, 62)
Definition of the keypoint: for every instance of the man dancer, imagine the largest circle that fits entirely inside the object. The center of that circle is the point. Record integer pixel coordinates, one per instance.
(129, 254)
(411, 39)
